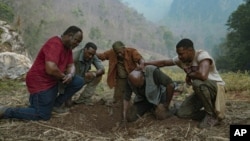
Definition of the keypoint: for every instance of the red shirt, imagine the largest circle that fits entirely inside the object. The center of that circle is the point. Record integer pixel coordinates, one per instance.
(53, 50)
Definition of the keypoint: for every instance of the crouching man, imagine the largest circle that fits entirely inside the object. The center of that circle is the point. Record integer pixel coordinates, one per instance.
(153, 90)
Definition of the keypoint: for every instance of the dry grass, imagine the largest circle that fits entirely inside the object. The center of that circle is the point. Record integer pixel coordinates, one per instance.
(14, 93)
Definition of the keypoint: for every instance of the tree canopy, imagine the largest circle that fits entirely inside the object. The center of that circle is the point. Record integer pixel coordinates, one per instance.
(235, 50)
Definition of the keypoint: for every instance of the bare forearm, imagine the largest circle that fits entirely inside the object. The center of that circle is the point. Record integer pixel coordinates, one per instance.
(197, 75)
(100, 72)
(52, 69)
(170, 92)
(160, 63)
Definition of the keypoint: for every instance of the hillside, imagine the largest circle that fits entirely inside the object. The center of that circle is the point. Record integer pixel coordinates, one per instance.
(103, 22)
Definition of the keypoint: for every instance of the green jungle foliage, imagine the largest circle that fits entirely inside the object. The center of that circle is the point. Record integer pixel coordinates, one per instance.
(235, 50)
(6, 12)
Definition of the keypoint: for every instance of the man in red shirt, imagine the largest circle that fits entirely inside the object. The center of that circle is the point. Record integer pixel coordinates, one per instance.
(53, 65)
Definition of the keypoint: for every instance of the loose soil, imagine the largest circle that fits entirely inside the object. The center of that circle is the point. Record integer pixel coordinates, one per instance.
(102, 122)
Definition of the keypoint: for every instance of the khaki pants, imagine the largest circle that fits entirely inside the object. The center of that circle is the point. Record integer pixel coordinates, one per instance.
(119, 91)
(88, 90)
(204, 96)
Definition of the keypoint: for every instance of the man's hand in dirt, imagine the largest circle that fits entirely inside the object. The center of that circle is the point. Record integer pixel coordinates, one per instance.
(161, 112)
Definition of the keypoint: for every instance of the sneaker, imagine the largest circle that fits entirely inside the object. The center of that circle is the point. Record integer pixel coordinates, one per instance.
(2, 110)
(60, 110)
(208, 121)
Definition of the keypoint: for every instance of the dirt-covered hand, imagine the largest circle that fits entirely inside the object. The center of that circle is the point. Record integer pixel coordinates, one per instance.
(161, 112)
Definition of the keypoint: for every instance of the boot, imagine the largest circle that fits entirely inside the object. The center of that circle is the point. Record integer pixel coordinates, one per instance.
(2, 110)
(69, 103)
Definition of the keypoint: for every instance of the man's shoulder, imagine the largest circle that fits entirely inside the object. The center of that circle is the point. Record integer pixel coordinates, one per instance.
(132, 51)
(95, 58)
(54, 39)
(76, 53)
(53, 43)
(131, 48)
(149, 69)
(202, 54)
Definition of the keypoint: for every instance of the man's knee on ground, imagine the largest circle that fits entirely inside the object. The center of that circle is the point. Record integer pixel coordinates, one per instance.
(77, 81)
(43, 116)
(183, 113)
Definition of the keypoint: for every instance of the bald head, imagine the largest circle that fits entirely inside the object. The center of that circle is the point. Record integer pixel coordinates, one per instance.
(136, 78)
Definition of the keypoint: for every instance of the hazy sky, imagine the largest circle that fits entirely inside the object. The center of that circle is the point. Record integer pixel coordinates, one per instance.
(153, 10)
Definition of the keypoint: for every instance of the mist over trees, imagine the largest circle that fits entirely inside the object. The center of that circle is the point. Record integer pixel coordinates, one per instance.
(202, 21)
(234, 53)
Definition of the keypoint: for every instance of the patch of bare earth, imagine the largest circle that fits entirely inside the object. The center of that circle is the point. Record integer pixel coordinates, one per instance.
(101, 122)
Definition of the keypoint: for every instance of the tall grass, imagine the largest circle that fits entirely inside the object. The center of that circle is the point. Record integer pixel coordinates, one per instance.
(235, 81)
(239, 81)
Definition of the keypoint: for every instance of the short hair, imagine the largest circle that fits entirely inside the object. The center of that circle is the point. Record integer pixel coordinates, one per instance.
(185, 43)
(118, 44)
(72, 29)
(90, 44)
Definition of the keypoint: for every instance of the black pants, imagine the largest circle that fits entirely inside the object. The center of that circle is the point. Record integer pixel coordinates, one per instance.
(138, 109)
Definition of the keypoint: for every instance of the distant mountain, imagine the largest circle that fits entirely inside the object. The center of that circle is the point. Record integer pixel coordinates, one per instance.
(105, 21)
(204, 21)
(153, 10)
(212, 11)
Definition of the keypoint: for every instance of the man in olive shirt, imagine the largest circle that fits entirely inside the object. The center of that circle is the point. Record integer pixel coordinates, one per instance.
(153, 89)
(83, 60)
